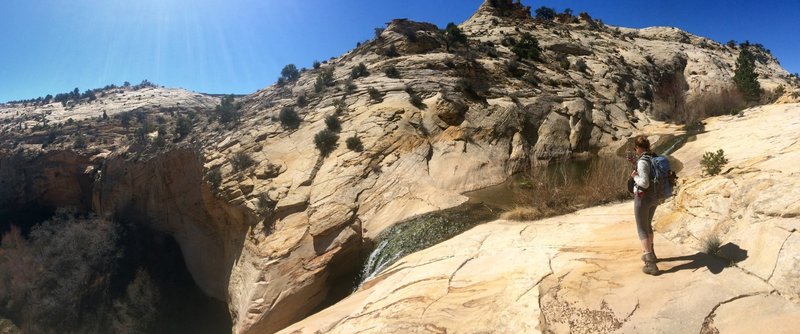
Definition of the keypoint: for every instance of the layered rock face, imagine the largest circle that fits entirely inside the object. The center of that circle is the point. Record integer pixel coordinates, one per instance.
(272, 237)
(582, 273)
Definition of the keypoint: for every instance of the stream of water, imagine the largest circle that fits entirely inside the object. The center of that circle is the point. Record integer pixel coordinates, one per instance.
(486, 204)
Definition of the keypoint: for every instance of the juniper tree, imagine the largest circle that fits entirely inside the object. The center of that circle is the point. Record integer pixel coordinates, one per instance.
(745, 77)
(452, 35)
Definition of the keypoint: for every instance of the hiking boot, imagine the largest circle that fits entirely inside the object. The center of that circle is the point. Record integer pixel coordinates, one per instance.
(650, 268)
(649, 257)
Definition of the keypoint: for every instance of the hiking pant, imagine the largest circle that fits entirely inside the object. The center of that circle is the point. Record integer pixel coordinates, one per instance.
(644, 207)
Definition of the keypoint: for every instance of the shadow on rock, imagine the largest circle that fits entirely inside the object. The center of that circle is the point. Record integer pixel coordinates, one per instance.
(727, 255)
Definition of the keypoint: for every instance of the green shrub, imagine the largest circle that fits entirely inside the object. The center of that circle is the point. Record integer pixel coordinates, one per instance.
(392, 51)
(512, 66)
(266, 206)
(392, 72)
(745, 77)
(414, 98)
(316, 64)
(215, 179)
(227, 110)
(545, 13)
(302, 100)
(358, 71)
(711, 244)
(241, 161)
(375, 95)
(183, 126)
(354, 144)
(779, 91)
(326, 141)
(453, 35)
(289, 118)
(161, 139)
(340, 105)
(324, 79)
(349, 86)
(333, 124)
(712, 163)
(527, 47)
(581, 66)
(290, 72)
(80, 142)
(564, 62)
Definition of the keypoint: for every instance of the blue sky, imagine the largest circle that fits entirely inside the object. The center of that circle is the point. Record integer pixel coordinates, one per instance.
(240, 46)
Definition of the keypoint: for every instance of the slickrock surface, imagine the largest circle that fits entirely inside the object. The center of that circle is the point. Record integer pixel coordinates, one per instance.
(581, 273)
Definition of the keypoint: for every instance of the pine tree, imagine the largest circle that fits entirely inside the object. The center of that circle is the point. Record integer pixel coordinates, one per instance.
(452, 35)
(745, 77)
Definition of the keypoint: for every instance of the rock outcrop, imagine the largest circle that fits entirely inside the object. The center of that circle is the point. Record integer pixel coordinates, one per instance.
(273, 234)
(581, 272)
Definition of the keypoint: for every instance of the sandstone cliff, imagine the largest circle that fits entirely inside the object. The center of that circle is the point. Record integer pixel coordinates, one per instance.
(273, 238)
(581, 272)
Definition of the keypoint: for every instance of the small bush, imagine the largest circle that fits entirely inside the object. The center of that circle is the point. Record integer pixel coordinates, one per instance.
(527, 47)
(265, 205)
(333, 124)
(712, 163)
(711, 244)
(378, 32)
(302, 100)
(316, 64)
(522, 213)
(359, 71)
(580, 65)
(354, 144)
(80, 142)
(545, 13)
(290, 73)
(340, 105)
(375, 95)
(453, 35)
(325, 141)
(289, 118)
(779, 91)
(227, 110)
(161, 139)
(349, 86)
(183, 126)
(392, 51)
(215, 179)
(512, 66)
(414, 98)
(392, 72)
(324, 79)
(241, 161)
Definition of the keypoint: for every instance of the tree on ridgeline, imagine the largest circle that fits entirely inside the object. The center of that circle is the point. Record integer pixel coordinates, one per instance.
(452, 35)
(745, 77)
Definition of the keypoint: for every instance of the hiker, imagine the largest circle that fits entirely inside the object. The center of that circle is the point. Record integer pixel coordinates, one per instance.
(644, 203)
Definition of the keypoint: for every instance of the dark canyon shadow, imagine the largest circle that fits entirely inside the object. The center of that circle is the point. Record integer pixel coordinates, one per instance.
(132, 270)
(727, 255)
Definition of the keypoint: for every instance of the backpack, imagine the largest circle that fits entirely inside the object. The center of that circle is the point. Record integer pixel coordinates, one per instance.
(662, 177)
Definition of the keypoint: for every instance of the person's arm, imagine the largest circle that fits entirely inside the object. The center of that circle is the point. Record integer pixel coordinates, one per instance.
(642, 175)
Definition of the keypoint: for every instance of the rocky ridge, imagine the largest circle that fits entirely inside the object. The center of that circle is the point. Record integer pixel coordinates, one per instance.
(280, 233)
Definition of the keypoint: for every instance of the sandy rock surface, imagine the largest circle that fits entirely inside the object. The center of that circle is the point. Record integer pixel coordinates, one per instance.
(582, 273)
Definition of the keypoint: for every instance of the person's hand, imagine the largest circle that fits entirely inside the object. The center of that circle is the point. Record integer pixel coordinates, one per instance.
(634, 173)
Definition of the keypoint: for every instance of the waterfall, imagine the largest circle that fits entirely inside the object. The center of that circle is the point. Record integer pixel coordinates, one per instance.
(420, 232)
